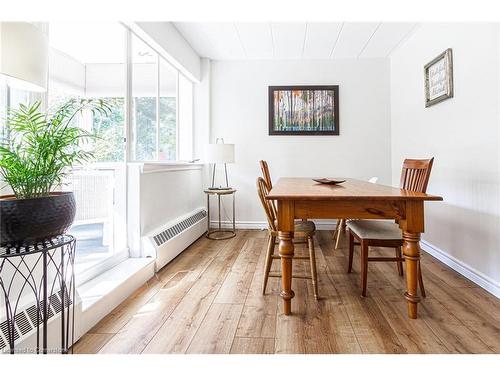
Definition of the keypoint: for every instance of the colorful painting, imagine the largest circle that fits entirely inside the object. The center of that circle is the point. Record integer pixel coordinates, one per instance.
(303, 110)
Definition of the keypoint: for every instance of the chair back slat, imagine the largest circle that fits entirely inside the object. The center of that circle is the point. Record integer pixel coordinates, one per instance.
(265, 173)
(263, 191)
(267, 177)
(415, 174)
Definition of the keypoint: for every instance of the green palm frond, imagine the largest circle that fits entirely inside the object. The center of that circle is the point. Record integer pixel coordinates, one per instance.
(42, 147)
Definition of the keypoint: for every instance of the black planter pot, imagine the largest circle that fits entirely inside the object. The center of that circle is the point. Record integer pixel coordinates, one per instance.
(28, 221)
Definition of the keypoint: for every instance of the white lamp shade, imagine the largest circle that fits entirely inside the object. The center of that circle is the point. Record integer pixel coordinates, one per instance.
(24, 55)
(219, 153)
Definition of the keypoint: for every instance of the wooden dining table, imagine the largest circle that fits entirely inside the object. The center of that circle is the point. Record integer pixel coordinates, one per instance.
(303, 198)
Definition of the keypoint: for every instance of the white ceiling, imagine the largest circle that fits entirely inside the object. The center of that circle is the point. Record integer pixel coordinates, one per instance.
(240, 41)
(89, 42)
(97, 42)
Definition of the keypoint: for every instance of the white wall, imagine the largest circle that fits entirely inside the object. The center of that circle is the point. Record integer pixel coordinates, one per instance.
(462, 134)
(239, 113)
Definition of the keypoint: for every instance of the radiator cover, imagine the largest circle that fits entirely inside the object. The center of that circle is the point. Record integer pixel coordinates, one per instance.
(26, 321)
(174, 237)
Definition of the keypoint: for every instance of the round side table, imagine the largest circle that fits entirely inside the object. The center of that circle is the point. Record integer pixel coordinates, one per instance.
(219, 233)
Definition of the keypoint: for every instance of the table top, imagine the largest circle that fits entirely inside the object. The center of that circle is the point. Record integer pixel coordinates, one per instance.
(301, 188)
(220, 191)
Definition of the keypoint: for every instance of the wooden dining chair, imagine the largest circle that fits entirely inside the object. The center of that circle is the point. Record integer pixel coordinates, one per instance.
(265, 173)
(340, 227)
(366, 233)
(267, 177)
(303, 233)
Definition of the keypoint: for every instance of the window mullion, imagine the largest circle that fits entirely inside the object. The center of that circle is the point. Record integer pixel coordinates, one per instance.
(157, 106)
(177, 117)
(129, 132)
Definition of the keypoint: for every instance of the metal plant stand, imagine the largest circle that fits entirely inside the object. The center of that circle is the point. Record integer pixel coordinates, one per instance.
(220, 233)
(55, 258)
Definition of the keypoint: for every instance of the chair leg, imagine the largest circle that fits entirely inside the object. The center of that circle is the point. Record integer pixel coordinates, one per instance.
(340, 226)
(336, 233)
(336, 229)
(269, 261)
(364, 267)
(343, 225)
(351, 251)
(312, 259)
(399, 254)
(420, 279)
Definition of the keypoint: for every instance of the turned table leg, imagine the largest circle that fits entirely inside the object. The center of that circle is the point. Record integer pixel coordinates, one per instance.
(286, 254)
(411, 251)
(286, 249)
(412, 227)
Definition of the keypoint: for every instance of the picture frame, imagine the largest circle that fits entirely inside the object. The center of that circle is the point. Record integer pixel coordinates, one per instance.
(438, 77)
(304, 110)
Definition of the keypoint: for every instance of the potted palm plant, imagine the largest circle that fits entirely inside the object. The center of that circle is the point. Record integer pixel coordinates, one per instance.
(35, 158)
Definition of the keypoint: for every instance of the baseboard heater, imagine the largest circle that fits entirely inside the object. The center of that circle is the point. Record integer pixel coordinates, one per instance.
(175, 236)
(26, 321)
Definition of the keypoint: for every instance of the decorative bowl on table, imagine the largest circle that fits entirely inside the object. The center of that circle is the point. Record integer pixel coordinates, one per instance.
(328, 181)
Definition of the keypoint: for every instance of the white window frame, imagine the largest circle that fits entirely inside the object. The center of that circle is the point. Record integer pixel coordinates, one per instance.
(119, 255)
(130, 136)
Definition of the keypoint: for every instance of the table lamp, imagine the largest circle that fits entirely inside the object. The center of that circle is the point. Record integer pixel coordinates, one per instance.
(219, 153)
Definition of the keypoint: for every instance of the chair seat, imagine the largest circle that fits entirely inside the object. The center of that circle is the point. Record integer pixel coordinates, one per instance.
(375, 229)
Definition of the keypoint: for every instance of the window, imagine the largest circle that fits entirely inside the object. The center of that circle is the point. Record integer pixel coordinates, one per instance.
(11, 97)
(87, 60)
(185, 118)
(5, 96)
(144, 93)
(167, 148)
(102, 60)
(4, 93)
(154, 105)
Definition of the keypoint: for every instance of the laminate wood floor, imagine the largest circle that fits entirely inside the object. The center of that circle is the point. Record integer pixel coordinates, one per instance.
(209, 300)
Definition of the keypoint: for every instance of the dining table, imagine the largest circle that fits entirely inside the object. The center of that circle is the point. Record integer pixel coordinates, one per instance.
(303, 198)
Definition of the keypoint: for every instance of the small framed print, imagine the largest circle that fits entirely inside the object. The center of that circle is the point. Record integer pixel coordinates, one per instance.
(439, 78)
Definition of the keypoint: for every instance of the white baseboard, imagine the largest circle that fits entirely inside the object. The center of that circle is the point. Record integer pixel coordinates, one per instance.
(320, 225)
(465, 270)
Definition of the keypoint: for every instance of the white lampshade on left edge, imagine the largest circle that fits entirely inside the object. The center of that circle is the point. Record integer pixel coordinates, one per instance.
(24, 56)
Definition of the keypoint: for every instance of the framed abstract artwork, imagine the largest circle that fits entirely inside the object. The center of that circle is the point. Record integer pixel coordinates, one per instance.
(304, 110)
(438, 75)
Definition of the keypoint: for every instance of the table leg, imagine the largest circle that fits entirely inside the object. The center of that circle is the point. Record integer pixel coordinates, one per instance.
(286, 250)
(208, 214)
(218, 196)
(412, 227)
(234, 214)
